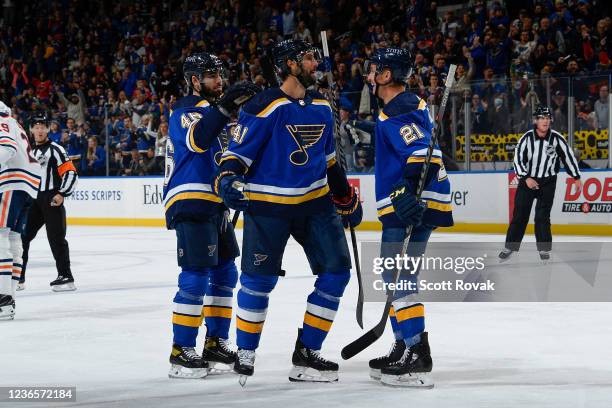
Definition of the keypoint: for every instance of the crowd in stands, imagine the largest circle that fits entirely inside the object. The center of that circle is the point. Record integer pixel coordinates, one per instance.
(108, 72)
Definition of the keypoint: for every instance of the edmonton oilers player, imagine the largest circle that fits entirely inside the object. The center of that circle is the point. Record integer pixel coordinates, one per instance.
(206, 242)
(19, 183)
(403, 131)
(279, 169)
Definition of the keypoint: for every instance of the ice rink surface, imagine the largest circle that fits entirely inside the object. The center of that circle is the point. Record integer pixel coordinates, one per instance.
(111, 339)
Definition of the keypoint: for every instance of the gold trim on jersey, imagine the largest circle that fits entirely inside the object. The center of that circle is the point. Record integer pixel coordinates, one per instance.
(416, 159)
(193, 196)
(434, 205)
(202, 104)
(272, 107)
(278, 199)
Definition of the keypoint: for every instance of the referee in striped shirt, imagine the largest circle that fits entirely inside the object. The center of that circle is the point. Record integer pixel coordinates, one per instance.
(537, 159)
(58, 180)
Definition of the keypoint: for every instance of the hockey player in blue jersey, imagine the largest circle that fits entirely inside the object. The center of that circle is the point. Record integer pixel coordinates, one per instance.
(280, 169)
(206, 245)
(403, 132)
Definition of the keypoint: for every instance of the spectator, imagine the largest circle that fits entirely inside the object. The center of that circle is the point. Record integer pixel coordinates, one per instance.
(135, 165)
(288, 21)
(55, 133)
(75, 105)
(480, 123)
(95, 159)
(498, 115)
(602, 109)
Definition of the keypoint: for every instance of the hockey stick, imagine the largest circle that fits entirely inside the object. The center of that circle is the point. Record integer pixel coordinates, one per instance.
(374, 333)
(342, 160)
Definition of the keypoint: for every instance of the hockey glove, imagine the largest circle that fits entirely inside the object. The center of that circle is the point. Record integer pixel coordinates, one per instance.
(229, 186)
(237, 95)
(405, 204)
(349, 208)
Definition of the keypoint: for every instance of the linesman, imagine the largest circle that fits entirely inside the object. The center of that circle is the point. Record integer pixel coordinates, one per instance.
(537, 160)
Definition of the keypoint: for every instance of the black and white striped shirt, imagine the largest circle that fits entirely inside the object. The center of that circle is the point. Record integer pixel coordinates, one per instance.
(538, 157)
(58, 172)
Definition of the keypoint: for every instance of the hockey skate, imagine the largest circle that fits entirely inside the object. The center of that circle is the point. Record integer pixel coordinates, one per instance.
(393, 356)
(20, 285)
(7, 307)
(309, 366)
(505, 254)
(244, 365)
(218, 354)
(544, 256)
(413, 369)
(186, 363)
(63, 284)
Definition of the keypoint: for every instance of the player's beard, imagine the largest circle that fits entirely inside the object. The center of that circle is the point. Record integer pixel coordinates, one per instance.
(306, 80)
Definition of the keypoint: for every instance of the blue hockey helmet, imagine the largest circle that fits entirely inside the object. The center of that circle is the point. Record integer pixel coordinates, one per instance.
(201, 63)
(398, 60)
(293, 50)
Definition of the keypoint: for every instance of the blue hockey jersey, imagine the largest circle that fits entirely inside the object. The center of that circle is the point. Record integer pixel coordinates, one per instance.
(284, 147)
(403, 132)
(193, 152)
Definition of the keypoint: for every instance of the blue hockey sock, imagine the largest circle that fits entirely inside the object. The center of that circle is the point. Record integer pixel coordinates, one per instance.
(252, 308)
(394, 325)
(217, 309)
(322, 306)
(187, 315)
(411, 320)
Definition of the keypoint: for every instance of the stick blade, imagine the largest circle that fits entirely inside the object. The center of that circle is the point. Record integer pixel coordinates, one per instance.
(362, 343)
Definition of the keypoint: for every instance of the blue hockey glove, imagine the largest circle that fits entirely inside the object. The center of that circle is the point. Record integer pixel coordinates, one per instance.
(229, 186)
(405, 204)
(349, 208)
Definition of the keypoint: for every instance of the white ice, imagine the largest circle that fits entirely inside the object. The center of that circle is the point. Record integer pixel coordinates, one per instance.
(111, 339)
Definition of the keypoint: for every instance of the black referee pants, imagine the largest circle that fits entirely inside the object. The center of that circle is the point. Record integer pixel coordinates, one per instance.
(523, 201)
(54, 218)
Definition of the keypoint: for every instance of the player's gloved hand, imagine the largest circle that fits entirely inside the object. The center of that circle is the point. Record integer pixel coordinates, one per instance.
(229, 186)
(349, 208)
(405, 204)
(237, 95)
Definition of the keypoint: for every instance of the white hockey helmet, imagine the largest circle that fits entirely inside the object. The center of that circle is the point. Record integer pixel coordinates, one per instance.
(5, 110)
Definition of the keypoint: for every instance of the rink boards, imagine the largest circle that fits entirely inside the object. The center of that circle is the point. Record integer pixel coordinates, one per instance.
(482, 202)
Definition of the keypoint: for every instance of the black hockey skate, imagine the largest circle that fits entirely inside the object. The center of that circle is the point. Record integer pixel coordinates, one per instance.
(186, 363)
(218, 354)
(7, 307)
(393, 356)
(63, 283)
(505, 254)
(413, 369)
(309, 366)
(544, 256)
(244, 365)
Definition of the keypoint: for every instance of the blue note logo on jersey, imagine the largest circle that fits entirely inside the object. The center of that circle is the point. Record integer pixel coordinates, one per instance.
(305, 136)
(259, 258)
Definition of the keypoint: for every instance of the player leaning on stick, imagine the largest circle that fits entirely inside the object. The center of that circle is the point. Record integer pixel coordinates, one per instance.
(403, 132)
(206, 245)
(280, 169)
(537, 160)
(20, 175)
